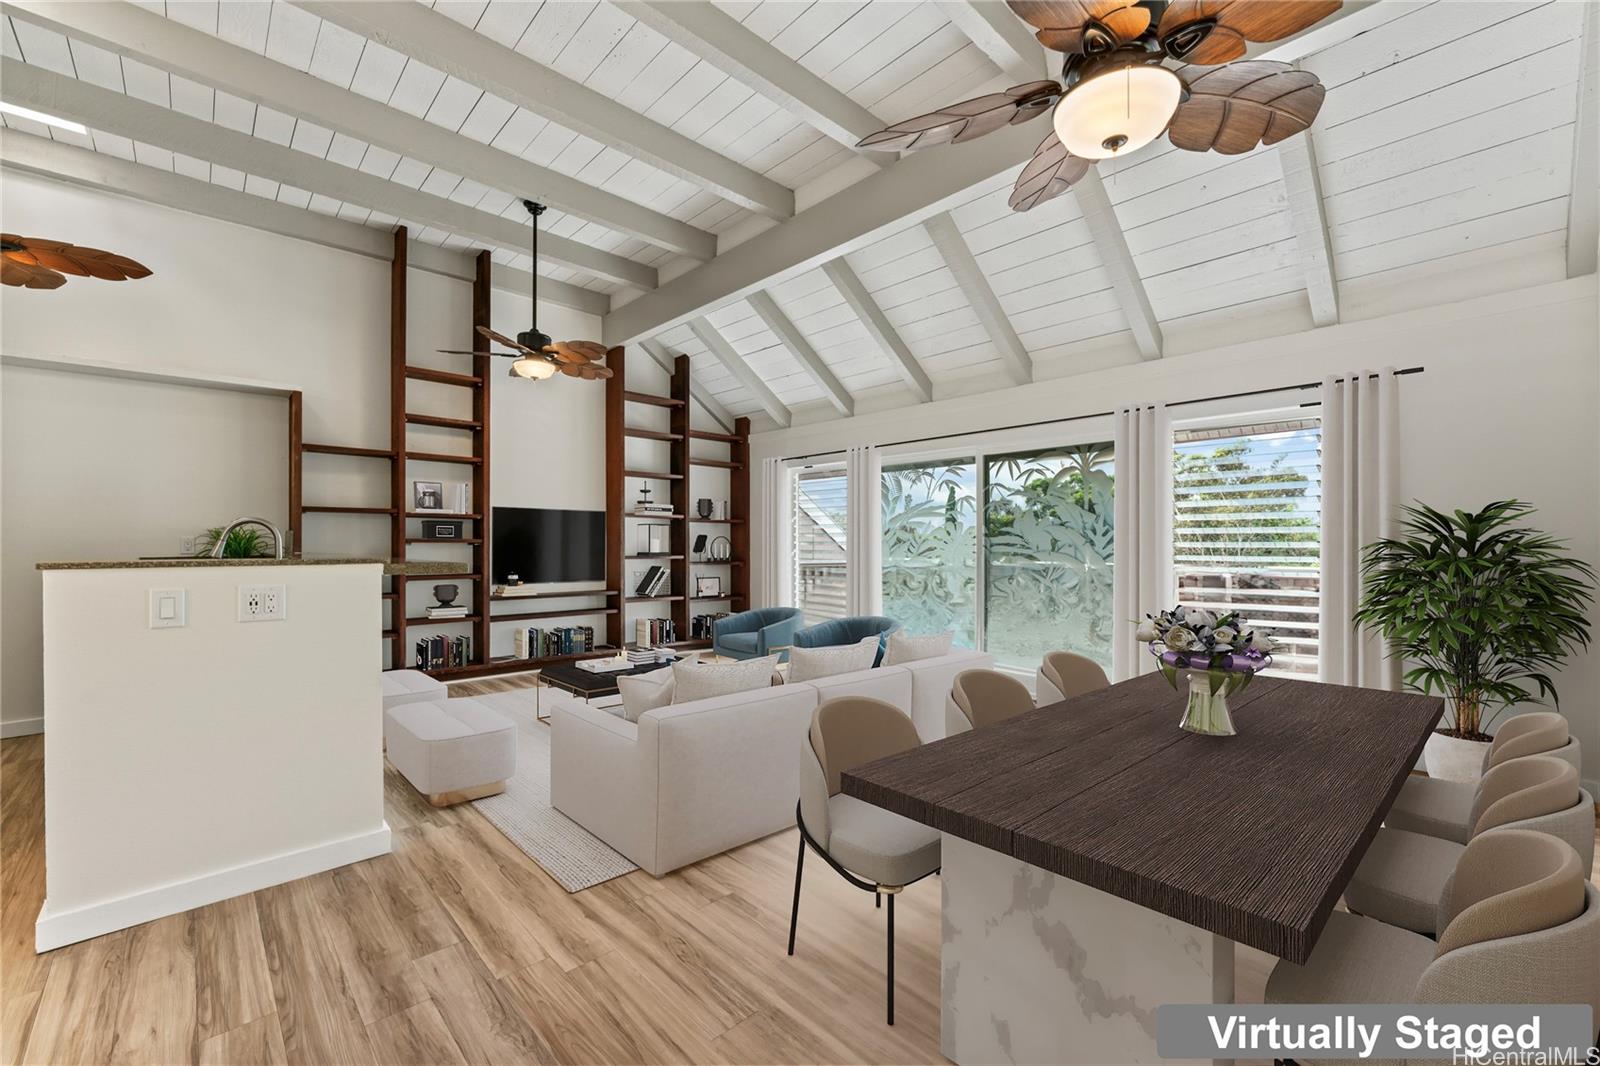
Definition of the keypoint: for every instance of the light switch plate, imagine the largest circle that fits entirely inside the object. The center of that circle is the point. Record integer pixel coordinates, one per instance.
(169, 608)
(263, 603)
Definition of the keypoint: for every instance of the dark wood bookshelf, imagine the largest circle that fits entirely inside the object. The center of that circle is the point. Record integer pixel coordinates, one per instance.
(652, 401)
(345, 449)
(319, 509)
(574, 612)
(442, 514)
(443, 377)
(445, 457)
(651, 475)
(415, 419)
(444, 540)
(551, 595)
(423, 620)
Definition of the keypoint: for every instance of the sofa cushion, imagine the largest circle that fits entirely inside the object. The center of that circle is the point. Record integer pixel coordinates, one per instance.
(891, 684)
(449, 745)
(410, 686)
(905, 648)
(808, 664)
(645, 692)
(693, 681)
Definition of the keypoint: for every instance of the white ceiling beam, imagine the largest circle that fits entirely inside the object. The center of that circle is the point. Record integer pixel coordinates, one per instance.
(129, 30)
(724, 353)
(963, 265)
(1001, 36)
(782, 328)
(445, 44)
(1583, 204)
(1106, 232)
(918, 186)
(709, 403)
(31, 154)
(726, 44)
(127, 116)
(883, 332)
(1298, 157)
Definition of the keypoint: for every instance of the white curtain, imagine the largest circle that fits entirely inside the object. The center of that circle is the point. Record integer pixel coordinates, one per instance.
(864, 530)
(774, 587)
(1142, 581)
(1360, 491)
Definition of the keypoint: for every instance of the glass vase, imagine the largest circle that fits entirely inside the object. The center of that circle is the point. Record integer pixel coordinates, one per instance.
(1207, 710)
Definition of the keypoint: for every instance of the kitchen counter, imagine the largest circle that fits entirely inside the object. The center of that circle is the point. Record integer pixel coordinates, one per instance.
(403, 568)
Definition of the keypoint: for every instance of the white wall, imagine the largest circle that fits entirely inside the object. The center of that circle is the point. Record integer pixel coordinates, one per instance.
(1506, 408)
(230, 301)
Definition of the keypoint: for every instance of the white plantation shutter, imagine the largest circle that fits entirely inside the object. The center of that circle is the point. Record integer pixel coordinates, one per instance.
(1247, 528)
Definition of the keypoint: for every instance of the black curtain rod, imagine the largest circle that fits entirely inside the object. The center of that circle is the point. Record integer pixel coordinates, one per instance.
(1098, 414)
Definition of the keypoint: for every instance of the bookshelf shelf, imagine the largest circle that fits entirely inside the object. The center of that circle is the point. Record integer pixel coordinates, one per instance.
(562, 595)
(345, 449)
(442, 377)
(445, 457)
(718, 521)
(654, 599)
(424, 620)
(653, 514)
(348, 510)
(706, 434)
(646, 558)
(722, 463)
(653, 401)
(415, 419)
(443, 540)
(649, 434)
(653, 475)
(442, 514)
(576, 612)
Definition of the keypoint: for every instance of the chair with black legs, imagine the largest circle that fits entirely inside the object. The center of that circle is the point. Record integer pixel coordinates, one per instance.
(873, 849)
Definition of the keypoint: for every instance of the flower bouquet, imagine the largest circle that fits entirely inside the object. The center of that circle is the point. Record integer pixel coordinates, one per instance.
(1220, 654)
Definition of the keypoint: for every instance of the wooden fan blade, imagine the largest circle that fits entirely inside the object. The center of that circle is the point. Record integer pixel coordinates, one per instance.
(57, 261)
(501, 338)
(79, 260)
(599, 373)
(28, 275)
(463, 351)
(1233, 23)
(578, 351)
(967, 120)
(1050, 172)
(1234, 108)
(1083, 26)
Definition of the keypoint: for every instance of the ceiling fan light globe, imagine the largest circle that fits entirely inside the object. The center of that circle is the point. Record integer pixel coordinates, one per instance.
(1117, 112)
(532, 369)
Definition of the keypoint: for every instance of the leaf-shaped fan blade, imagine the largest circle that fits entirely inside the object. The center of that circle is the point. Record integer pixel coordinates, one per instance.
(73, 259)
(1050, 172)
(463, 351)
(501, 338)
(968, 119)
(57, 261)
(1233, 109)
(1232, 23)
(578, 351)
(28, 275)
(599, 373)
(1087, 27)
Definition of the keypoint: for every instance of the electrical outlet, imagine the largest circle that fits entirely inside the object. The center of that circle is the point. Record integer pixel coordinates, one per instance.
(263, 603)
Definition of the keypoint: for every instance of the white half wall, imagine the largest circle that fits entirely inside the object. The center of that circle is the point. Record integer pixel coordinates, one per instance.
(1509, 406)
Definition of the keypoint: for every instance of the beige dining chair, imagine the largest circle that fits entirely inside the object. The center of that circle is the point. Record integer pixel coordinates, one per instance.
(980, 698)
(1404, 875)
(1439, 808)
(1065, 674)
(871, 848)
(1519, 925)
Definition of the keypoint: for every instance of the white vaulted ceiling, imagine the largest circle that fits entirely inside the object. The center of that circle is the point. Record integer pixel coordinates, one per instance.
(1449, 138)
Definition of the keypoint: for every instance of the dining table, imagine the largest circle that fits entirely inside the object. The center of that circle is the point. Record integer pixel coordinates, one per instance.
(1099, 861)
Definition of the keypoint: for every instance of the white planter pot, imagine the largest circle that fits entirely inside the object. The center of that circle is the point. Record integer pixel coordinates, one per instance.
(1454, 759)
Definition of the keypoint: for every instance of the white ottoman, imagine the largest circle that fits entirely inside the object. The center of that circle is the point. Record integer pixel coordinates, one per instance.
(451, 750)
(410, 686)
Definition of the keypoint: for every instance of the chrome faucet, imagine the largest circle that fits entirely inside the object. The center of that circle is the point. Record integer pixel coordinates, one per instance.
(222, 538)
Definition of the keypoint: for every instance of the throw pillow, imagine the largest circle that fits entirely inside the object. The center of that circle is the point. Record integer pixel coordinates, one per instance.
(645, 692)
(905, 648)
(702, 681)
(808, 664)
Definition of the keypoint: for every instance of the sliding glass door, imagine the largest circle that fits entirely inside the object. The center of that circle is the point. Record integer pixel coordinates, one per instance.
(930, 547)
(821, 544)
(1047, 554)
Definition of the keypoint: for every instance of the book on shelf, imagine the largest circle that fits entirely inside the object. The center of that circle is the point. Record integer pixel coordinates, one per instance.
(535, 643)
(447, 612)
(703, 626)
(638, 656)
(653, 581)
(649, 632)
(435, 653)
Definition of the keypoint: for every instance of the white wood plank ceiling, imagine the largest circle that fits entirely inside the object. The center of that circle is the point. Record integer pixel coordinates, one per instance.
(1449, 127)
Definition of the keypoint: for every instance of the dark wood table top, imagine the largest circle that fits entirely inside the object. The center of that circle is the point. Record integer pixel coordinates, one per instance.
(1252, 837)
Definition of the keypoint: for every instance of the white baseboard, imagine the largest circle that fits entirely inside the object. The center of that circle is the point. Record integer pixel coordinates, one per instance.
(21, 727)
(53, 930)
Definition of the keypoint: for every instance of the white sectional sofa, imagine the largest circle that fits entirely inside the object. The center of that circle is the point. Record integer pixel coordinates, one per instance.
(696, 779)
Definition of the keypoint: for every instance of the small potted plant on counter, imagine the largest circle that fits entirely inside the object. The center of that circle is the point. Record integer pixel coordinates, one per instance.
(1484, 609)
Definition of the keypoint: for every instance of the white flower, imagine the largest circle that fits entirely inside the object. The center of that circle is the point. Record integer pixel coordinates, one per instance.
(1261, 641)
(1199, 619)
(1147, 631)
(1179, 639)
(1226, 634)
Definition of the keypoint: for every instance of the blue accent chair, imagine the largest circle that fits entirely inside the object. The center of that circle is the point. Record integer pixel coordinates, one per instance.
(752, 634)
(837, 631)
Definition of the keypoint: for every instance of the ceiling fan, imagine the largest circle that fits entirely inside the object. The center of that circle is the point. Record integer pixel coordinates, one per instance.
(1115, 94)
(37, 263)
(536, 355)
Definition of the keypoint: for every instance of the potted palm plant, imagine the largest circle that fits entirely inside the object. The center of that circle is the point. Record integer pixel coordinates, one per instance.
(1483, 610)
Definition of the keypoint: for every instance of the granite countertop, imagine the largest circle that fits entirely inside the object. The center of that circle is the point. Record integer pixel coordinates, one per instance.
(405, 568)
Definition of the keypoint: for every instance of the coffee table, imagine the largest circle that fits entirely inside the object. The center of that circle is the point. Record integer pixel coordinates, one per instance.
(586, 685)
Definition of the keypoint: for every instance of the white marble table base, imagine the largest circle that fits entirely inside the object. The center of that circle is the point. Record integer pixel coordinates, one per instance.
(1040, 968)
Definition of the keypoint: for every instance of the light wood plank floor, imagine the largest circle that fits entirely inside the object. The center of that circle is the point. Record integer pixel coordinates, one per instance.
(457, 948)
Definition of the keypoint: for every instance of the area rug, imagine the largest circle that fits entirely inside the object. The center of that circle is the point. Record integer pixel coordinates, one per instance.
(575, 857)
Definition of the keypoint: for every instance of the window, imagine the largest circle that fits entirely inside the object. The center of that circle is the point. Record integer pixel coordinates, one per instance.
(930, 547)
(1047, 554)
(1247, 530)
(820, 542)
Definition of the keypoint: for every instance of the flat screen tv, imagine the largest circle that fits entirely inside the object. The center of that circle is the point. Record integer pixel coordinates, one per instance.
(540, 544)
